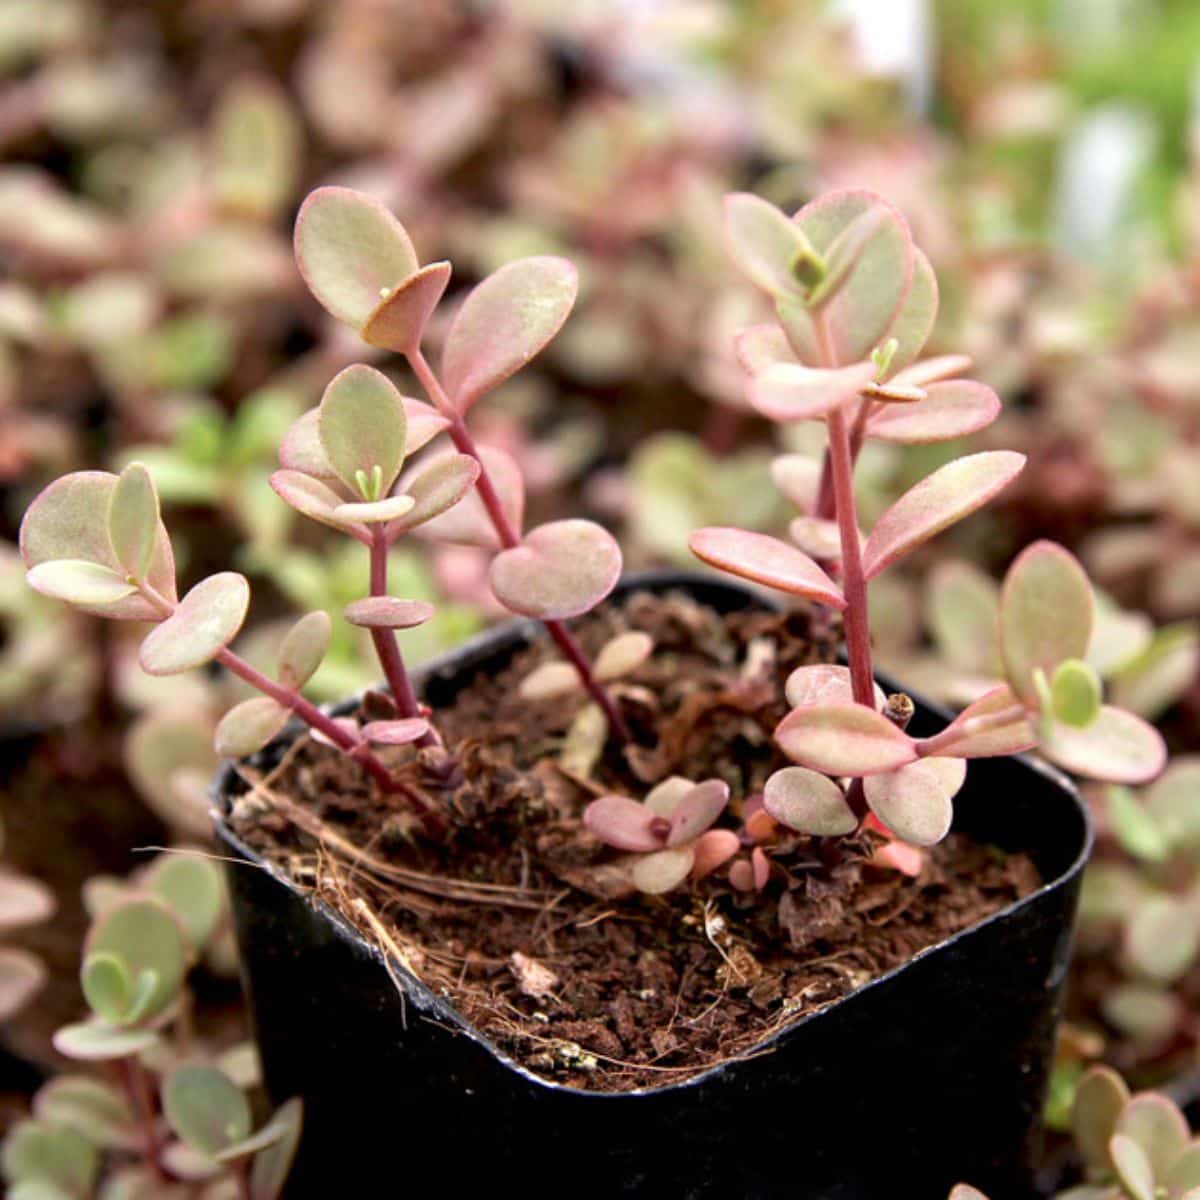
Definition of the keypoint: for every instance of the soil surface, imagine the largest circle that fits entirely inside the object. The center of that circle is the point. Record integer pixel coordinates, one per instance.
(525, 918)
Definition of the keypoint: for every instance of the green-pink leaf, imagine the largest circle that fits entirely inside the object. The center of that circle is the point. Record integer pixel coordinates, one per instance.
(438, 486)
(766, 560)
(622, 655)
(663, 870)
(133, 520)
(23, 901)
(304, 648)
(559, 570)
(1099, 1100)
(972, 734)
(794, 392)
(86, 584)
(467, 522)
(844, 739)
(914, 322)
(823, 683)
(395, 733)
(915, 801)
(1046, 615)
(205, 1108)
(273, 1164)
(207, 620)
(696, 810)
(1117, 746)
(505, 321)
(69, 520)
(398, 322)
(760, 347)
(248, 727)
(952, 409)
(93, 1041)
(624, 823)
(147, 938)
(316, 500)
(949, 494)
(1158, 1127)
(388, 612)
(22, 976)
(764, 243)
(351, 250)
(808, 802)
(363, 431)
(1133, 1167)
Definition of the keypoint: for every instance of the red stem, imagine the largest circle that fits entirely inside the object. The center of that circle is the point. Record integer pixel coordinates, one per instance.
(133, 1080)
(460, 435)
(387, 648)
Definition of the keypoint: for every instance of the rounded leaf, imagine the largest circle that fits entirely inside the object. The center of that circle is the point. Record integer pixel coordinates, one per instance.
(766, 560)
(133, 520)
(914, 322)
(1075, 693)
(973, 736)
(273, 1164)
(395, 733)
(505, 321)
(953, 409)
(1116, 746)
(622, 655)
(205, 1108)
(388, 612)
(949, 494)
(1171, 800)
(761, 346)
(22, 976)
(90, 1106)
(467, 522)
(624, 823)
(875, 239)
(794, 392)
(69, 520)
(1134, 826)
(94, 1041)
(363, 431)
(844, 739)
(85, 584)
(663, 798)
(192, 888)
(304, 648)
(351, 251)
(808, 802)
(823, 683)
(1099, 1100)
(712, 850)
(165, 754)
(663, 870)
(696, 810)
(52, 1154)
(1046, 614)
(316, 500)
(374, 512)
(559, 570)
(435, 488)
(207, 620)
(550, 680)
(915, 801)
(23, 901)
(798, 477)
(107, 987)
(1162, 938)
(147, 938)
(1132, 1167)
(1158, 1127)
(398, 321)
(764, 243)
(249, 726)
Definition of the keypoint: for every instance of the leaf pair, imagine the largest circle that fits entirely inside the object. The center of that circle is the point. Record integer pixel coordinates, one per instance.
(617, 658)
(359, 262)
(670, 831)
(341, 462)
(91, 538)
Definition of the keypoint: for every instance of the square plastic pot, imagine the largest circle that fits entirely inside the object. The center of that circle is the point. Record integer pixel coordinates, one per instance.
(932, 1073)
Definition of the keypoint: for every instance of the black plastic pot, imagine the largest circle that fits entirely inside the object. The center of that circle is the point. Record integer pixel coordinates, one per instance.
(930, 1074)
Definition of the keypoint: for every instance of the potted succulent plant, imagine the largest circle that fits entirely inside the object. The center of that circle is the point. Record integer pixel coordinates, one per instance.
(643, 906)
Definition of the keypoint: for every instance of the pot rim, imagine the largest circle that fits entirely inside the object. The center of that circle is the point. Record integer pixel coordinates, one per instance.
(425, 999)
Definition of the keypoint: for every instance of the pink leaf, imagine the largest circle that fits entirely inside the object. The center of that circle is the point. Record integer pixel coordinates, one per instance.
(808, 802)
(207, 620)
(346, 724)
(436, 488)
(559, 570)
(950, 410)
(505, 321)
(763, 242)
(398, 321)
(664, 797)
(624, 823)
(823, 683)
(316, 500)
(798, 477)
(1046, 615)
(765, 560)
(794, 392)
(697, 810)
(388, 612)
(914, 802)
(623, 655)
(761, 346)
(662, 871)
(69, 520)
(949, 494)
(932, 370)
(350, 249)
(752, 875)
(899, 856)
(844, 739)
(973, 735)
(467, 523)
(1117, 746)
(712, 850)
(395, 733)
